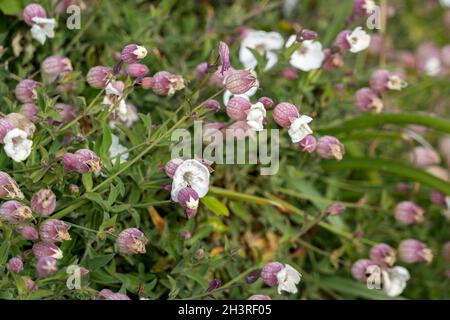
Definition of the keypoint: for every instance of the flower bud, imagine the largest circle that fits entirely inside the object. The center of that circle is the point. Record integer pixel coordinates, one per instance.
(382, 81)
(43, 202)
(212, 104)
(269, 273)
(15, 265)
(172, 166)
(383, 255)
(185, 235)
(359, 269)
(214, 284)
(238, 107)
(363, 7)
(30, 285)
(201, 70)
(14, 212)
(166, 83)
(55, 67)
(329, 147)
(30, 110)
(199, 254)
(259, 297)
(437, 198)
(284, 113)
(267, 102)
(253, 276)
(335, 209)
(131, 241)
(28, 231)
(240, 81)
(413, 251)
(5, 127)
(74, 188)
(53, 230)
(224, 57)
(107, 294)
(82, 161)
(133, 53)
(46, 266)
(21, 122)
(306, 34)
(333, 60)
(188, 199)
(147, 82)
(9, 188)
(32, 11)
(424, 157)
(47, 249)
(26, 91)
(308, 144)
(366, 99)
(341, 40)
(98, 76)
(137, 70)
(407, 212)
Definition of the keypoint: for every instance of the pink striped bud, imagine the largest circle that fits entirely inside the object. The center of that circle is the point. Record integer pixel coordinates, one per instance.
(26, 91)
(383, 80)
(238, 107)
(43, 202)
(166, 83)
(366, 99)
(224, 57)
(98, 76)
(267, 102)
(21, 122)
(131, 241)
(212, 104)
(133, 53)
(15, 212)
(333, 60)
(383, 255)
(28, 231)
(284, 113)
(360, 269)
(201, 70)
(82, 161)
(308, 144)
(30, 285)
(5, 127)
(30, 110)
(47, 249)
(137, 70)
(329, 147)
(407, 212)
(147, 82)
(172, 166)
(259, 297)
(55, 67)
(269, 273)
(413, 251)
(32, 11)
(240, 81)
(424, 157)
(9, 188)
(15, 265)
(341, 40)
(107, 294)
(306, 34)
(189, 200)
(66, 112)
(335, 209)
(46, 266)
(53, 230)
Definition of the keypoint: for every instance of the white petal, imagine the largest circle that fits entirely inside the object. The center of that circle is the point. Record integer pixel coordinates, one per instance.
(299, 129)
(38, 34)
(190, 173)
(359, 40)
(309, 60)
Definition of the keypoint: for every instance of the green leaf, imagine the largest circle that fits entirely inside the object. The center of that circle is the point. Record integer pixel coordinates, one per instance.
(10, 7)
(95, 197)
(213, 204)
(99, 261)
(87, 181)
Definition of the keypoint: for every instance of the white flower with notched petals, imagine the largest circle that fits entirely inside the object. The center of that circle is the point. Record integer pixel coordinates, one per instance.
(288, 278)
(266, 43)
(111, 98)
(43, 29)
(394, 281)
(255, 116)
(299, 128)
(17, 145)
(117, 152)
(308, 56)
(191, 173)
(358, 40)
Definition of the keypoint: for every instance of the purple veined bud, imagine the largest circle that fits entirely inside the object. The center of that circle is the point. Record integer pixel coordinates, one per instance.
(30, 110)
(133, 53)
(55, 67)
(341, 40)
(172, 166)
(107, 294)
(189, 200)
(269, 273)
(46, 266)
(15, 212)
(52, 230)
(74, 188)
(47, 249)
(383, 255)
(437, 198)
(5, 127)
(66, 111)
(166, 83)
(253, 276)
(446, 251)
(363, 7)
(21, 122)
(407, 212)
(382, 81)
(333, 60)
(15, 265)
(306, 34)
(137, 70)
(185, 235)
(199, 254)
(335, 209)
(32, 11)
(214, 284)
(267, 102)
(43, 202)
(224, 57)
(329, 147)
(147, 82)
(82, 161)
(424, 157)
(131, 241)
(259, 297)
(366, 99)
(359, 269)
(240, 81)
(212, 104)
(28, 231)
(26, 91)
(201, 70)
(284, 113)
(9, 188)
(308, 144)
(30, 285)
(238, 107)
(289, 73)
(413, 251)
(97, 77)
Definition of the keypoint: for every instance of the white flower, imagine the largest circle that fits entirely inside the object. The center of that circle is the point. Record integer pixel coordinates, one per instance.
(191, 173)
(358, 40)
(58, 254)
(115, 149)
(299, 128)
(266, 43)
(394, 281)
(308, 56)
(433, 66)
(227, 95)
(288, 278)
(255, 116)
(17, 146)
(111, 98)
(370, 6)
(445, 3)
(396, 83)
(43, 29)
